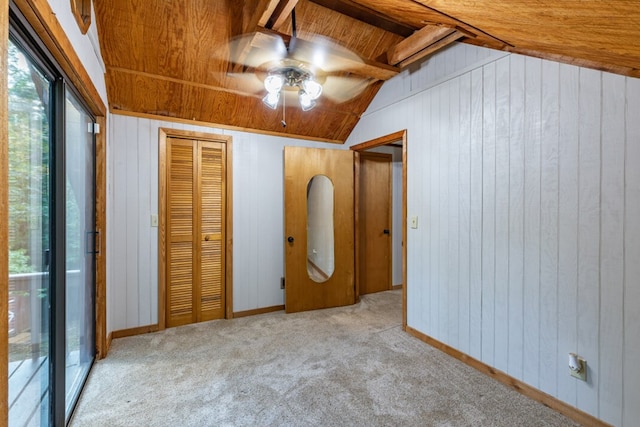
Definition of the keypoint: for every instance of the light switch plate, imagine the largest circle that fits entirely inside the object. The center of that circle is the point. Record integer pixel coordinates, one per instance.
(414, 222)
(154, 220)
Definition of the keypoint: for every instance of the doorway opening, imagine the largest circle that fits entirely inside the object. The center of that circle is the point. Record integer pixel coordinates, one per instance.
(398, 140)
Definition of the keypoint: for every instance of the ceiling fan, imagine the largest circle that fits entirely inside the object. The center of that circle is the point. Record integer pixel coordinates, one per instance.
(287, 67)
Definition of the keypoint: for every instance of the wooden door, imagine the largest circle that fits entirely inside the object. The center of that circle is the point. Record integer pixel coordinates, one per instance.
(195, 228)
(307, 286)
(374, 222)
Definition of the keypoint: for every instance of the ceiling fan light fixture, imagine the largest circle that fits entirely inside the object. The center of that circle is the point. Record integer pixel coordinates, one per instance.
(271, 100)
(306, 101)
(312, 88)
(273, 83)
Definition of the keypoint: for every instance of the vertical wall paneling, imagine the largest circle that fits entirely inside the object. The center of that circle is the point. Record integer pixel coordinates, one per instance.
(434, 207)
(475, 238)
(568, 150)
(612, 248)
(501, 345)
(464, 195)
(589, 99)
(488, 211)
(422, 146)
(516, 216)
(453, 214)
(444, 279)
(154, 148)
(145, 257)
(532, 220)
(631, 292)
(118, 231)
(549, 228)
(133, 198)
(540, 161)
(131, 226)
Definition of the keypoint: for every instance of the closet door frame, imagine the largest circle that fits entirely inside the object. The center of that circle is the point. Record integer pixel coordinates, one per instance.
(164, 134)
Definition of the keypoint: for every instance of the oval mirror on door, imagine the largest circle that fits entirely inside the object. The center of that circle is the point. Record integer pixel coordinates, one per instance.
(320, 250)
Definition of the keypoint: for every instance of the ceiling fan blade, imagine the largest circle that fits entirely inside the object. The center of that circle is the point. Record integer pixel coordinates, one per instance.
(323, 53)
(342, 88)
(244, 82)
(254, 49)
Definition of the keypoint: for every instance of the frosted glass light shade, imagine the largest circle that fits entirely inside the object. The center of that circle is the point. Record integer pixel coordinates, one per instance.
(306, 102)
(271, 99)
(312, 87)
(273, 83)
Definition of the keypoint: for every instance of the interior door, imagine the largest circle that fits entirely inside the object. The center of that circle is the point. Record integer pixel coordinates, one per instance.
(319, 228)
(374, 222)
(195, 251)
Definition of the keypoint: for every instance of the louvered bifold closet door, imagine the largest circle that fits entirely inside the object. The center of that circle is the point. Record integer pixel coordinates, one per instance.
(196, 217)
(212, 218)
(181, 185)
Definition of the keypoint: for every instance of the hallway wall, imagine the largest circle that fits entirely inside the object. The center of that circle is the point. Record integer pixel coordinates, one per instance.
(258, 222)
(524, 176)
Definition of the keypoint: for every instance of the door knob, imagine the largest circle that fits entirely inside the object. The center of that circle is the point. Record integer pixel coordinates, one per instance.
(206, 238)
(385, 231)
(290, 239)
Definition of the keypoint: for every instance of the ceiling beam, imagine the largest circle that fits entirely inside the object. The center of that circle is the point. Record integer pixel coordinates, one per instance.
(434, 47)
(422, 39)
(366, 15)
(281, 13)
(267, 11)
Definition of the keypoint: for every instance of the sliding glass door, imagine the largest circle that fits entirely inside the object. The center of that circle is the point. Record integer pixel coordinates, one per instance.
(52, 238)
(29, 240)
(80, 247)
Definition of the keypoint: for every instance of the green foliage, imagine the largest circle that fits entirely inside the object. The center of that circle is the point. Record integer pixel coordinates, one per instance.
(19, 262)
(28, 160)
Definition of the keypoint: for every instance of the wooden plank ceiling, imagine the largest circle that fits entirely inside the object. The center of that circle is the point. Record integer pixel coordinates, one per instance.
(188, 59)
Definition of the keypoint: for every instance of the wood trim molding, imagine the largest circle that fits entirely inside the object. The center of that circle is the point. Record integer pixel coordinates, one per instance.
(383, 140)
(256, 311)
(396, 287)
(389, 140)
(4, 217)
(511, 382)
(139, 330)
(101, 226)
(163, 134)
(219, 126)
(81, 10)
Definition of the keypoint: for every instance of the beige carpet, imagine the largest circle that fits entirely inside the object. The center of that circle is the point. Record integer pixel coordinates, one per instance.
(349, 366)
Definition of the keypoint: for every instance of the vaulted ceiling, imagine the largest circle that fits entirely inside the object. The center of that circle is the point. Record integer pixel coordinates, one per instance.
(187, 59)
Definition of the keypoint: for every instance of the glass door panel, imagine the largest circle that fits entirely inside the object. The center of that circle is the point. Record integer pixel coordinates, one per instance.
(29, 237)
(80, 248)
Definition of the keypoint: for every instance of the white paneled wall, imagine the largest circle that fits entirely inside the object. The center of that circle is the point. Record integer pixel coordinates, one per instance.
(258, 251)
(524, 175)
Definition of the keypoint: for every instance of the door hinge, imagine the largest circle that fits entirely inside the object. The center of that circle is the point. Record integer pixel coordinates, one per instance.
(282, 283)
(93, 128)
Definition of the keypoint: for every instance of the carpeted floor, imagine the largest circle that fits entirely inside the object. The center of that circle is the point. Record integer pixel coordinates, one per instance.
(349, 366)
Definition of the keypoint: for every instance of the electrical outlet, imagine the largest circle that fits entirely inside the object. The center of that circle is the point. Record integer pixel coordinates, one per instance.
(581, 372)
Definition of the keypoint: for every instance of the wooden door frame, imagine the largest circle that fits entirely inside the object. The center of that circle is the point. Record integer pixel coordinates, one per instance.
(163, 134)
(377, 142)
(388, 158)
